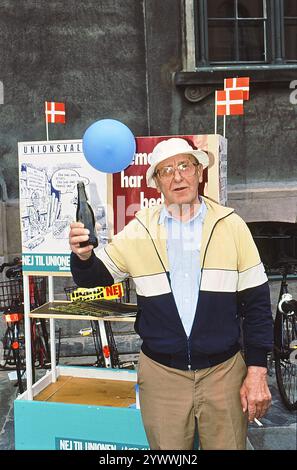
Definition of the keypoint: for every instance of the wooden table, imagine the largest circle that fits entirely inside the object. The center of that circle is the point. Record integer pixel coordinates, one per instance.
(54, 310)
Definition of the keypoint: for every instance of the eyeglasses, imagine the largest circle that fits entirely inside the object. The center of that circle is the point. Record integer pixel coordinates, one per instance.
(185, 169)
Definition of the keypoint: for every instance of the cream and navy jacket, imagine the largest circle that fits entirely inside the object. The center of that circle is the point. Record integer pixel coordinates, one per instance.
(233, 286)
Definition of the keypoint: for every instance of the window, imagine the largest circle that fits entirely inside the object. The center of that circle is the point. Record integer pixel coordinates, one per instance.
(290, 30)
(227, 38)
(235, 32)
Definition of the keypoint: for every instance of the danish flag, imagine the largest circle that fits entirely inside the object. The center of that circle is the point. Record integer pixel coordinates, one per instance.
(229, 102)
(240, 83)
(55, 112)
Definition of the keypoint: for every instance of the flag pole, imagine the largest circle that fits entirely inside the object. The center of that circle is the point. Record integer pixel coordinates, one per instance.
(224, 129)
(215, 127)
(46, 121)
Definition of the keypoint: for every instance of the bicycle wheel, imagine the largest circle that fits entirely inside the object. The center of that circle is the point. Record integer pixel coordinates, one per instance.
(285, 333)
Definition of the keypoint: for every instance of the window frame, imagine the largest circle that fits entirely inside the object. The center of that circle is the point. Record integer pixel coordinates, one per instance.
(274, 70)
(202, 35)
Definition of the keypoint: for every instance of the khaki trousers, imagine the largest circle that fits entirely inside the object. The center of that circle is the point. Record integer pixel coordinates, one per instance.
(174, 401)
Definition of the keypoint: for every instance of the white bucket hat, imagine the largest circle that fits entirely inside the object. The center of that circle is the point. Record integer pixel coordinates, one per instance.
(169, 148)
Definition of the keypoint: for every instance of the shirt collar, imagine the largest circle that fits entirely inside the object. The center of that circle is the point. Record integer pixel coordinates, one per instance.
(164, 214)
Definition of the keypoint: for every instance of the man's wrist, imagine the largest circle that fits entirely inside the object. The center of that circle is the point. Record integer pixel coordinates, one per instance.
(84, 257)
(257, 370)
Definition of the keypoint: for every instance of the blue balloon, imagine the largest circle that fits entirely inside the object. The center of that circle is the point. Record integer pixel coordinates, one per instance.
(109, 145)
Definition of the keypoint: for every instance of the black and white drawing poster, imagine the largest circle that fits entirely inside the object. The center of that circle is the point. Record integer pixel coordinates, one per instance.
(48, 176)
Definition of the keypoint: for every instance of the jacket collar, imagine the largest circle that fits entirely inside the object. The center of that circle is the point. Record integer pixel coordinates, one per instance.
(149, 218)
(215, 212)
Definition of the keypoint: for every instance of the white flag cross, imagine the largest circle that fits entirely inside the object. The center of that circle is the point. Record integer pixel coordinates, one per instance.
(228, 102)
(52, 112)
(236, 87)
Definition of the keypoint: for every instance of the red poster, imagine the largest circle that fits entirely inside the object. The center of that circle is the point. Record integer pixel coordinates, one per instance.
(130, 192)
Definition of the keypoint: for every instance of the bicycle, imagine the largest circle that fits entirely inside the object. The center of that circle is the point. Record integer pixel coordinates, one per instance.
(12, 307)
(277, 245)
(285, 341)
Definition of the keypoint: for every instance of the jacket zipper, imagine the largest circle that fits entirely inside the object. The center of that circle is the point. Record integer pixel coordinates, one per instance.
(189, 354)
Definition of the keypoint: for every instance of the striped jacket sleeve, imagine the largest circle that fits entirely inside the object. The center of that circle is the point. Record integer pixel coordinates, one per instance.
(90, 273)
(254, 299)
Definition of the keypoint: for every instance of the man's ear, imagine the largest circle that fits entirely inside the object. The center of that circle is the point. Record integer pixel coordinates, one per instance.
(200, 169)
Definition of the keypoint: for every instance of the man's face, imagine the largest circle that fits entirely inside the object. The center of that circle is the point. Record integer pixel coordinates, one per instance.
(178, 188)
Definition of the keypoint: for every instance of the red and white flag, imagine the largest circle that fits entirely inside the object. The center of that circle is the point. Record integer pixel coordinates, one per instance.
(229, 102)
(55, 112)
(240, 83)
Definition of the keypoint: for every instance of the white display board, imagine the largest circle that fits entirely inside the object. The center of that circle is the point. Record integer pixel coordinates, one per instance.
(48, 174)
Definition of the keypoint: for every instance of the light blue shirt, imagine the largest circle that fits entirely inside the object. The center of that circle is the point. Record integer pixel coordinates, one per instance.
(183, 249)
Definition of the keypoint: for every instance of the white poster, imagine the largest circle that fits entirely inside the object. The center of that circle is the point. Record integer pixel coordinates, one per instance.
(48, 175)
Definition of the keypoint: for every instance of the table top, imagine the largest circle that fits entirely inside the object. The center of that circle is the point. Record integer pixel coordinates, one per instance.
(95, 310)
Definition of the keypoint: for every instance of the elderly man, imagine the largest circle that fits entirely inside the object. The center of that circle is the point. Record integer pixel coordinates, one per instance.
(197, 273)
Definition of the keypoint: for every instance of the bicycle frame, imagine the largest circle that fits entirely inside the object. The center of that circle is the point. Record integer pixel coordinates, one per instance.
(285, 346)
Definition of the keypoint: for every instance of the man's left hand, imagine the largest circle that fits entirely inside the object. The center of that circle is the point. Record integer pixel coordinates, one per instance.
(254, 393)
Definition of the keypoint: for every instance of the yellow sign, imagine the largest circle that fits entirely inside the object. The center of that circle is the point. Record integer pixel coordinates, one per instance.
(98, 293)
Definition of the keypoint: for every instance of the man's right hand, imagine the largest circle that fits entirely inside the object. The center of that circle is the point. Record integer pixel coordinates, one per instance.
(77, 235)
